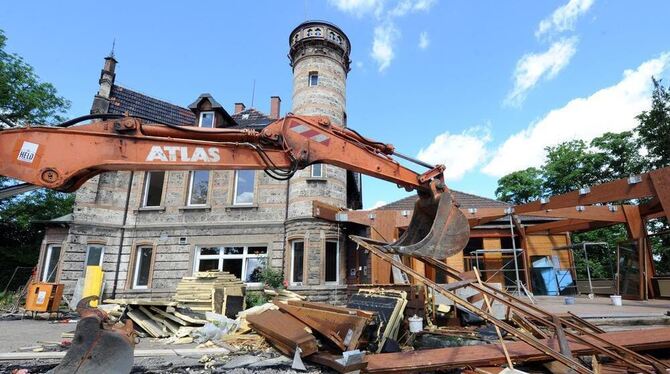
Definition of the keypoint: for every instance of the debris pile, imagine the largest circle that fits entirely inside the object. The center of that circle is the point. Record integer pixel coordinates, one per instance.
(212, 291)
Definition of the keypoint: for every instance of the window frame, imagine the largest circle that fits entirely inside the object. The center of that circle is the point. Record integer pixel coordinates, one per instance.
(321, 173)
(235, 186)
(337, 262)
(189, 195)
(88, 251)
(221, 257)
(213, 118)
(292, 273)
(48, 259)
(310, 75)
(136, 267)
(147, 180)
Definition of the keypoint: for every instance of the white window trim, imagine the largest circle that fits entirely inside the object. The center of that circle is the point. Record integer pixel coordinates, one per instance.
(322, 171)
(253, 190)
(190, 189)
(48, 259)
(337, 263)
(221, 257)
(213, 118)
(147, 180)
(136, 269)
(102, 255)
(293, 282)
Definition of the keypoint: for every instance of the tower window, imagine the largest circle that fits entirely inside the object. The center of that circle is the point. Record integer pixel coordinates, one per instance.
(313, 78)
(310, 32)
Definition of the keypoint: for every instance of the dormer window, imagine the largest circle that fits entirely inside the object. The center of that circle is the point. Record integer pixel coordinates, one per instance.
(206, 119)
(313, 79)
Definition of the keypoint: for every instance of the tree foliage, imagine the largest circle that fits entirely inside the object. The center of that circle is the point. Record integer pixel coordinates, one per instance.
(520, 186)
(23, 98)
(574, 164)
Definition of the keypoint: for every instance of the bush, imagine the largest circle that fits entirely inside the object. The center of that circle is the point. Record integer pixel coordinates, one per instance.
(254, 298)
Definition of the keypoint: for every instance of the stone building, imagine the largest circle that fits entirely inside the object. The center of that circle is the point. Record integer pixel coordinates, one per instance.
(149, 229)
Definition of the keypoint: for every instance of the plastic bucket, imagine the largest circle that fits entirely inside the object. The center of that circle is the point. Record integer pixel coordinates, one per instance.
(415, 324)
(616, 300)
(569, 300)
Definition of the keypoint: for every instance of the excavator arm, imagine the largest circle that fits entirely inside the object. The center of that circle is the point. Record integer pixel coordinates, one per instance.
(63, 158)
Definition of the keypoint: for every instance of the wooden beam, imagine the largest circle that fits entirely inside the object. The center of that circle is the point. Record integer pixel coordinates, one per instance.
(592, 213)
(661, 180)
(616, 190)
(551, 225)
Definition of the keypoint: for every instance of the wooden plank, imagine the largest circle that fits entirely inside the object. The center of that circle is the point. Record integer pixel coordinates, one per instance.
(285, 331)
(661, 180)
(491, 354)
(140, 302)
(146, 323)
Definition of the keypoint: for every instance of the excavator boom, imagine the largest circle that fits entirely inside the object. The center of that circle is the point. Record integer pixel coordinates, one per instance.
(63, 158)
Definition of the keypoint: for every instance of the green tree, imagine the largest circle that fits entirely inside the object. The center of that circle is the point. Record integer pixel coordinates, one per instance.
(616, 155)
(520, 186)
(23, 98)
(654, 127)
(569, 166)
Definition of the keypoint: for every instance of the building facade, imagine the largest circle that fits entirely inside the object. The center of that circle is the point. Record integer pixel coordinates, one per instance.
(149, 229)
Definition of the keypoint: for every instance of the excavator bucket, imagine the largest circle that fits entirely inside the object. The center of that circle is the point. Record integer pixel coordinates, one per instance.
(438, 228)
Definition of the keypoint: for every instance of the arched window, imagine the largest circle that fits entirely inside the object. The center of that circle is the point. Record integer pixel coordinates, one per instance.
(339, 40)
(310, 32)
(331, 35)
(318, 32)
(296, 37)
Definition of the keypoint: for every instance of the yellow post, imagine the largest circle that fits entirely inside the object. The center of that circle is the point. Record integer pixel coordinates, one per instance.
(93, 283)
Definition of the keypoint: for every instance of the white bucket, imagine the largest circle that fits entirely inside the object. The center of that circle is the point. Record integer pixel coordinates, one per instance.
(616, 300)
(415, 324)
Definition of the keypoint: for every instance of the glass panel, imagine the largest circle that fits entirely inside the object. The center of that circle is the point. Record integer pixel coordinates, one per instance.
(298, 259)
(209, 251)
(313, 79)
(331, 261)
(94, 256)
(257, 250)
(233, 250)
(244, 190)
(317, 170)
(629, 270)
(254, 269)
(233, 266)
(209, 264)
(199, 186)
(52, 264)
(143, 264)
(154, 188)
(207, 119)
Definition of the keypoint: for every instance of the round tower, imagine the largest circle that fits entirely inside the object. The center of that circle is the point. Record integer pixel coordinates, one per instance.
(319, 56)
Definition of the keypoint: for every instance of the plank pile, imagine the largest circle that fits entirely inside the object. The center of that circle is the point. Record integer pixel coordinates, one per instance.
(219, 292)
(157, 318)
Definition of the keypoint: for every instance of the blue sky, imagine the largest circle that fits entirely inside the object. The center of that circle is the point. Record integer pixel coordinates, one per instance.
(482, 86)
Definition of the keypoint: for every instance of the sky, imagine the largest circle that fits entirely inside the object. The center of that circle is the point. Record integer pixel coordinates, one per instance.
(480, 86)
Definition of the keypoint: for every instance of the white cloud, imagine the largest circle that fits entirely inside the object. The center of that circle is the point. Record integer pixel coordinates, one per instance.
(386, 33)
(424, 41)
(359, 8)
(563, 18)
(460, 153)
(382, 45)
(610, 109)
(377, 204)
(533, 66)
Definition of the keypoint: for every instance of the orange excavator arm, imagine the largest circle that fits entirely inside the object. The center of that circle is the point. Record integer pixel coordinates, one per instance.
(63, 158)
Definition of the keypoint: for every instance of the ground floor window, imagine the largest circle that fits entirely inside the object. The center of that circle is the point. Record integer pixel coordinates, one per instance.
(331, 263)
(142, 267)
(245, 262)
(297, 261)
(94, 255)
(51, 263)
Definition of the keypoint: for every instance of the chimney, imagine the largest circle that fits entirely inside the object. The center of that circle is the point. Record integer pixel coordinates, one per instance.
(239, 107)
(106, 81)
(275, 107)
